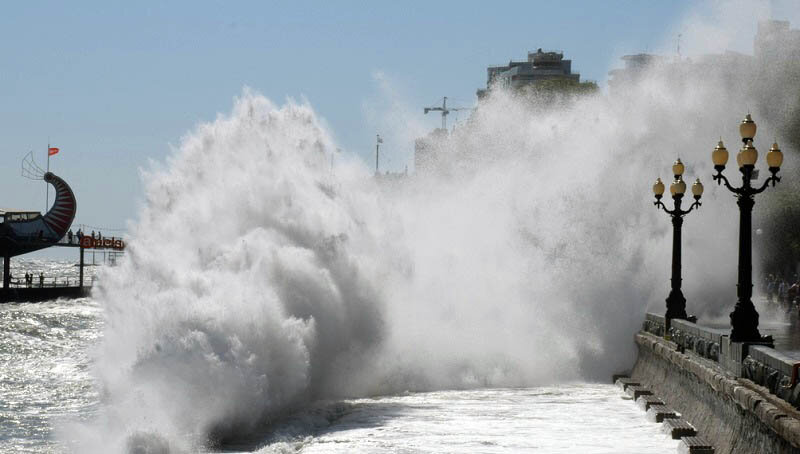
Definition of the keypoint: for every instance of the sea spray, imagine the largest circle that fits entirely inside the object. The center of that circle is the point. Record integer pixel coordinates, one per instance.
(258, 281)
(241, 296)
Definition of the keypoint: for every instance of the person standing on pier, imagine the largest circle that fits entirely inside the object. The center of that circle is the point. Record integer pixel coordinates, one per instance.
(41, 279)
(782, 292)
(792, 293)
(770, 288)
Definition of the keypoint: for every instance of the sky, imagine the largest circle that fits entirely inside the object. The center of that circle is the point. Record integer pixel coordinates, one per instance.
(115, 85)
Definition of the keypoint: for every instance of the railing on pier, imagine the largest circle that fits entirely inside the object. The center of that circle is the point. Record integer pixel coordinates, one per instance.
(51, 282)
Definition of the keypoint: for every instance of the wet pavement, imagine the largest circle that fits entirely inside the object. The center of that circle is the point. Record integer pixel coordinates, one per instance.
(786, 335)
(783, 326)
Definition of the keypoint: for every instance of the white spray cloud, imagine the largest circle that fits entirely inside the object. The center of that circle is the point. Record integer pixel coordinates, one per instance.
(389, 113)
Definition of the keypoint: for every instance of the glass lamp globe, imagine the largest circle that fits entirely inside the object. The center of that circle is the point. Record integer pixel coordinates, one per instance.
(774, 157)
(677, 168)
(697, 189)
(658, 188)
(720, 155)
(747, 128)
(749, 154)
(678, 187)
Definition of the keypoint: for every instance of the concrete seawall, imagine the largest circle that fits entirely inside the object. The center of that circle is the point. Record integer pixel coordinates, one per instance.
(735, 414)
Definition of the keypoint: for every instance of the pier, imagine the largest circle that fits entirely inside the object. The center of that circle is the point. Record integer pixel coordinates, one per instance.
(43, 288)
(22, 232)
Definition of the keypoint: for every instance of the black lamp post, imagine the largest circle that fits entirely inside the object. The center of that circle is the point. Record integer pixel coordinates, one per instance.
(676, 303)
(744, 318)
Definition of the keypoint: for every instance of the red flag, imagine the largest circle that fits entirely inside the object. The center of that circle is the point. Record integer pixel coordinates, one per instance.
(51, 151)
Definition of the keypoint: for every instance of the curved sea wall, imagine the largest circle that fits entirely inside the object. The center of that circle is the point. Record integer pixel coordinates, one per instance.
(734, 413)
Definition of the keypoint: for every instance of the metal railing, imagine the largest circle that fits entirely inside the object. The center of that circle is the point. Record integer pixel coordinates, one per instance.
(51, 282)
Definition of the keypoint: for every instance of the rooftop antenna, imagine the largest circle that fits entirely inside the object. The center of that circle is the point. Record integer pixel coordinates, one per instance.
(378, 143)
(445, 110)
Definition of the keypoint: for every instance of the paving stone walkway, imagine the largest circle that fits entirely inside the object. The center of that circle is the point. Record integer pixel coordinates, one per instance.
(784, 328)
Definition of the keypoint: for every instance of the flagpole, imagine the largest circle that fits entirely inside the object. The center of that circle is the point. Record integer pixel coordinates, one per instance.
(47, 199)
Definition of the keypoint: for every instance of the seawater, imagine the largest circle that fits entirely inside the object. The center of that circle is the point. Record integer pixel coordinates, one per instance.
(45, 362)
(586, 418)
(46, 357)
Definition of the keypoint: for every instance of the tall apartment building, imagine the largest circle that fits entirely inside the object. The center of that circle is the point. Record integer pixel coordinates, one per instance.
(519, 74)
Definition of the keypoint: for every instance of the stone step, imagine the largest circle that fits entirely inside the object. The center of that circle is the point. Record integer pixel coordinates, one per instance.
(636, 391)
(695, 445)
(658, 413)
(624, 382)
(678, 428)
(645, 402)
(616, 377)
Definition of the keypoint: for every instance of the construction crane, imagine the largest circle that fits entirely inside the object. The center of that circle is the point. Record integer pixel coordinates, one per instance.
(445, 110)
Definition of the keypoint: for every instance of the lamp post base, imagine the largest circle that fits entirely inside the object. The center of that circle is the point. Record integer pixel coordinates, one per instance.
(744, 323)
(676, 305)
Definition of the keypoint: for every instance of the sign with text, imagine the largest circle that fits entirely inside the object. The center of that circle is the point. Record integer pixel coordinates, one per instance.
(88, 242)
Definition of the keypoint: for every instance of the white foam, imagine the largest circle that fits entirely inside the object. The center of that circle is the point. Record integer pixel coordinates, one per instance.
(589, 419)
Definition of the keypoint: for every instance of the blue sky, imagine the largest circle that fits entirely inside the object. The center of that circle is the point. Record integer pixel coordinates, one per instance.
(113, 84)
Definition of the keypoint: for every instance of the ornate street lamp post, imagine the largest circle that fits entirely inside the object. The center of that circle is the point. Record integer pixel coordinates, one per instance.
(676, 303)
(744, 318)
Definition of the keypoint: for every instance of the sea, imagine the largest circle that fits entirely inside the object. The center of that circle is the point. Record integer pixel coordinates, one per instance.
(45, 362)
(47, 385)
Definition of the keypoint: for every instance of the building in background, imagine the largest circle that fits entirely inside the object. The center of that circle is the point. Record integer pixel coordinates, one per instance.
(520, 75)
(546, 78)
(775, 40)
(635, 67)
(775, 46)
